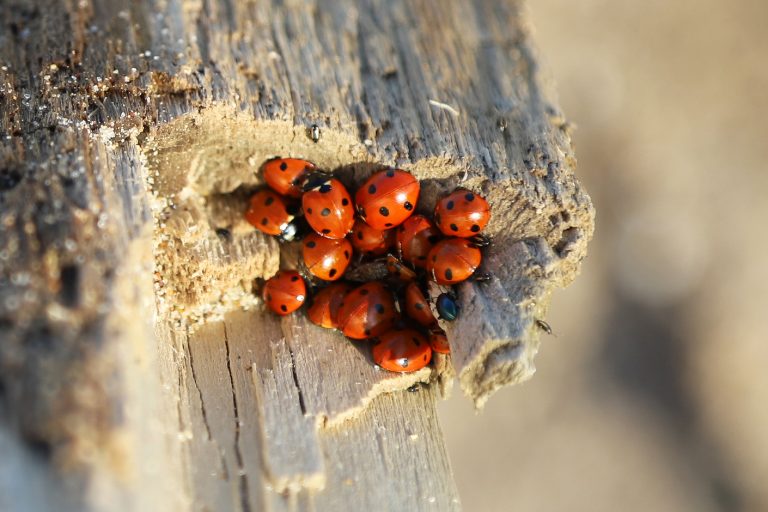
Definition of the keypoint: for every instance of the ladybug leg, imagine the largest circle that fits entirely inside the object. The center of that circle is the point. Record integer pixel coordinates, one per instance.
(482, 277)
(480, 241)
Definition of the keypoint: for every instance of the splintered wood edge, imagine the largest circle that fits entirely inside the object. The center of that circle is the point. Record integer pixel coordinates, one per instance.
(198, 163)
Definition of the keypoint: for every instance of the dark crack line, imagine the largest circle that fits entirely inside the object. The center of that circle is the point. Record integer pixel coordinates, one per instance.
(296, 382)
(197, 387)
(244, 494)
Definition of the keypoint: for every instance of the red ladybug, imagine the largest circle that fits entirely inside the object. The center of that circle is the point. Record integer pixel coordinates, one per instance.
(370, 241)
(284, 175)
(285, 292)
(387, 198)
(268, 212)
(415, 238)
(367, 311)
(402, 350)
(328, 209)
(326, 258)
(439, 342)
(325, 305)
(453, 260)
(462, 213)
(416, 306)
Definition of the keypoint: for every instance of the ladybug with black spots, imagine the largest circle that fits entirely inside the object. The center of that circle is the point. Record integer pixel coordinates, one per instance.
(453, 260)
(269, 213)
(285, 292)
(417, 307)
(325, 306)
(387, 198)
(285, 175)
(327, 206)
(370, 241)
(462, 213)
(326, 258)
(402, 350)
(415, 238)
(367, 311)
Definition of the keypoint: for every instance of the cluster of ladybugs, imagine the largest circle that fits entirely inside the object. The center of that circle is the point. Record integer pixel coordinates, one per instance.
(368, 231)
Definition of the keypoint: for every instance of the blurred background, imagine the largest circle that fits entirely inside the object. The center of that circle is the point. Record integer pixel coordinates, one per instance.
(653, 395)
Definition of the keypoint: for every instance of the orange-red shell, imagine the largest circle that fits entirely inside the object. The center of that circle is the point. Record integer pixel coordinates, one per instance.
(267, 212)
(285, 292)
(325, 305)
(284, 175)
(326, 258)
(329, 210)
(415, 238)
(371, 241)
(439, 342)
(402, 350)
(453, 260)
(367, 311)
(417, 307)
(462, 213)
(387, 198)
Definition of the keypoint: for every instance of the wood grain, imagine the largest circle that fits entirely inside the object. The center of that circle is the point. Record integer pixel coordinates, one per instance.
(132, 346)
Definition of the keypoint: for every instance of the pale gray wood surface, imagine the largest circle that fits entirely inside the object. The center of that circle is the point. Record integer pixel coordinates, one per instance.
(127, 129)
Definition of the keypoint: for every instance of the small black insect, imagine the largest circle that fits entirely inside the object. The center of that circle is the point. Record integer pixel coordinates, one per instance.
(313, 132)
(544, 326)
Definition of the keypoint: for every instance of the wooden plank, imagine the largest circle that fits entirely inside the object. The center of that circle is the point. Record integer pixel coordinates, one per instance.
(127, 130)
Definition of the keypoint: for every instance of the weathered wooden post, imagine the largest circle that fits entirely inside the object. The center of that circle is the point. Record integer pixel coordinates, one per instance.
(137, 368)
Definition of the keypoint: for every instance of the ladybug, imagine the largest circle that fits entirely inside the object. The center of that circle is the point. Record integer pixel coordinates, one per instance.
(416, 306)
(269, 213)
(402, 350)
(285, 292)
(398, 270)
(447, 308)
(462, 213)
(325, 305)
(328, 207)
(370, 241)
(367, 311)
(453, 260)
(415, 237)
(326, 258)
(285, 175)
(387, 198)
(438, 341)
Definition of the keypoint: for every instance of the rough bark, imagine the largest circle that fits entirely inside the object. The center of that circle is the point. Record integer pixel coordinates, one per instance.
(132, 347)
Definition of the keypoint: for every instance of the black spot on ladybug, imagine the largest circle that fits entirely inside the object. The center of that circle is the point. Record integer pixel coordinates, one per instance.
(345, 201)
(346, 254)
(309, 211)
(372, 189)
(448, 274)
(326, 231)
(269, 201)
(475, 228)
(449, 205)
(264, 221)
(419, 306)
(408, 206)
(421, 258)
(416, 342)
(364, 291)
(379, 308)
(359, 235)
(425, 357)
(283, 166)
(283, 308)
(325, 188)
(391, 173)
(326, 212)
(388, 225)
(454, 227)
(384, 211)
(332, 272)
(433, 239)
(311, 244)
(294, 278)
(470, 196)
